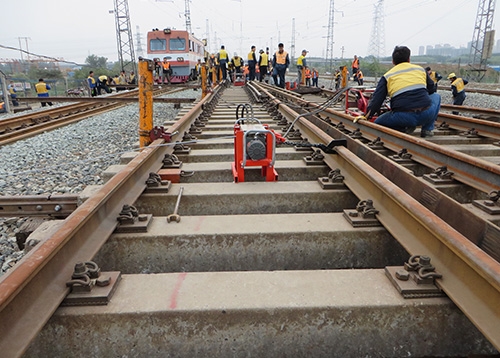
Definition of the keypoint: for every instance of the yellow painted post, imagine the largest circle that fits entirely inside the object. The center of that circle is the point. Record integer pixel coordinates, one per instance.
(214, 77)
(145, 101)
(303, 76)
(204, 89)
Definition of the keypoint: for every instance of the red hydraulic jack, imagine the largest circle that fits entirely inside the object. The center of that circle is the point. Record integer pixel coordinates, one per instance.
(254, 146)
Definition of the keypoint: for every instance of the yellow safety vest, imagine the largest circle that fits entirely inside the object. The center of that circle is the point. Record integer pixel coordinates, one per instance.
(41, 87)
(264, 60)
(237, 61)
(92, 79)
(103, 77)
(300, 60)
(281, 57)
(432, 75)
(405, 77)
(223, 55)
(459, 84)
(250, 55)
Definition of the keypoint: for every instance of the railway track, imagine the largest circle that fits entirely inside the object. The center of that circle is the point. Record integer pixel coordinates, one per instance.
(272, 268)
(27, 125)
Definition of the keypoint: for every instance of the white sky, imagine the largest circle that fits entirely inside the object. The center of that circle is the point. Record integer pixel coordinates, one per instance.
(74, 29)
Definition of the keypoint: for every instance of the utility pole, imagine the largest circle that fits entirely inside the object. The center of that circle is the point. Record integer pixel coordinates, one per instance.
(208, 36)
(376, 47)
(126, 54)
(329, 38)
(292, 46)
(21, 47)
(187, 14)
(482, 40)
(138, 42)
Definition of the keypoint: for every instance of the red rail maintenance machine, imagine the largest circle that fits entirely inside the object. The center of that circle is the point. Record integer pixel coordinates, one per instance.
(254, 145)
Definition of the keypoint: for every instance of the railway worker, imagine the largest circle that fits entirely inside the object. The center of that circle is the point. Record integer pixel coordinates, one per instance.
(337, 77)
(121, 80)
(308, 75)
(355, 66)
(281, 61)
(457, 89)
(436, 77)
(12, 93)
(359, 77)
(92, 84)
(252, 62)
(263, 64)
(42, 90)
(157, 69)
(413, 100)
(315, 76)
(197, 69)
(165, 66)
(223, 59)
(301, 65)
(237, 62)
(131, 79)
(102, 84)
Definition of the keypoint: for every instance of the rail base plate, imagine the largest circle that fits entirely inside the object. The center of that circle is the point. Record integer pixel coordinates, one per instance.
(409, 288)
(138, 226)
(98, 296)
(326, 184)
(163, 188)
(437, 181)
(356, 220)
(487, 206)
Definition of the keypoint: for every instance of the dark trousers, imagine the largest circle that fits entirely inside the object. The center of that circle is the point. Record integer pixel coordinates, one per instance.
(263, 71)
(251, 70)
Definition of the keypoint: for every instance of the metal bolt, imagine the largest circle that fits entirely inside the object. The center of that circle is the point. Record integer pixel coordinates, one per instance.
(39, 208)
(424, 260)
(402, 275)
(58, 208)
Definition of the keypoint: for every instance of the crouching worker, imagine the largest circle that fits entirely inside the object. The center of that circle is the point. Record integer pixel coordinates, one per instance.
(102, 84)
(414, 102)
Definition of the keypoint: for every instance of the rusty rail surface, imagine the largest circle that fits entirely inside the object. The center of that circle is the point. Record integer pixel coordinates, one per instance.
(471, 278)
(32, 291)
(38, 205)
(24, 126)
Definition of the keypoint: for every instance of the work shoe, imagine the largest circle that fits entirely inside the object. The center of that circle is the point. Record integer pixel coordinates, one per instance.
(424, 134)
(410, 130)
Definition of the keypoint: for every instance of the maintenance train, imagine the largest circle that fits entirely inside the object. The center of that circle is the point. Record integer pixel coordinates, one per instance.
(181, 48)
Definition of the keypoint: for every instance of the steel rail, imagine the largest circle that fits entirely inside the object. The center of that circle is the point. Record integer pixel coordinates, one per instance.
(471, 278)
(474, 172)
(474, 90)
(108, 99)
(29, 126)
(38, 205)
(32, 291)
(469, 109)
(483, 127)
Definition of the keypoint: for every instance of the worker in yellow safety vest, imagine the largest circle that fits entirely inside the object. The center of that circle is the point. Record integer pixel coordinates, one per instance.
(223, 59)
(301, 64)
(252, 62)
(263, 64)
(237, 62)
(42, 90)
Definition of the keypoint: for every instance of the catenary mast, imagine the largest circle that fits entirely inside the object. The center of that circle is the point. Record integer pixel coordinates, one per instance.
(126, 54)
(482, 39)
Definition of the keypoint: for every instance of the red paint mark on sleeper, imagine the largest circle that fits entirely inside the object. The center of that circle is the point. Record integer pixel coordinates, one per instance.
(177, 288)
(198, 224)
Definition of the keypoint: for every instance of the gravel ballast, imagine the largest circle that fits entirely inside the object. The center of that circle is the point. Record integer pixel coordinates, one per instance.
(68, 159)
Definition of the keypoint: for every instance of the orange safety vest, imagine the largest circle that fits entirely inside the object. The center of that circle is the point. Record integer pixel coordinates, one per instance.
(281, 57)
(360, 74)
(165, 65)
(308, 73)
(355, 63)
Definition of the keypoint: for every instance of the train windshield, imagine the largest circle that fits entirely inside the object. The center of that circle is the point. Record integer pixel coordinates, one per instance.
(177, 44)
(158, 45)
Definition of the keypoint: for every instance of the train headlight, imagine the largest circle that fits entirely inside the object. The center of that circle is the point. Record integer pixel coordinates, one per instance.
(180, 59)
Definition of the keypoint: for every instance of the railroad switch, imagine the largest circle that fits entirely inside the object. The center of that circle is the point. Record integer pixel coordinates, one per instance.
(402, 157)
(364, 215)
(89, 286)
(171, 161)
(440, 175)
(492, 205)
(154, 184)
(334, 180)
(130, 221)
(416, 279)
